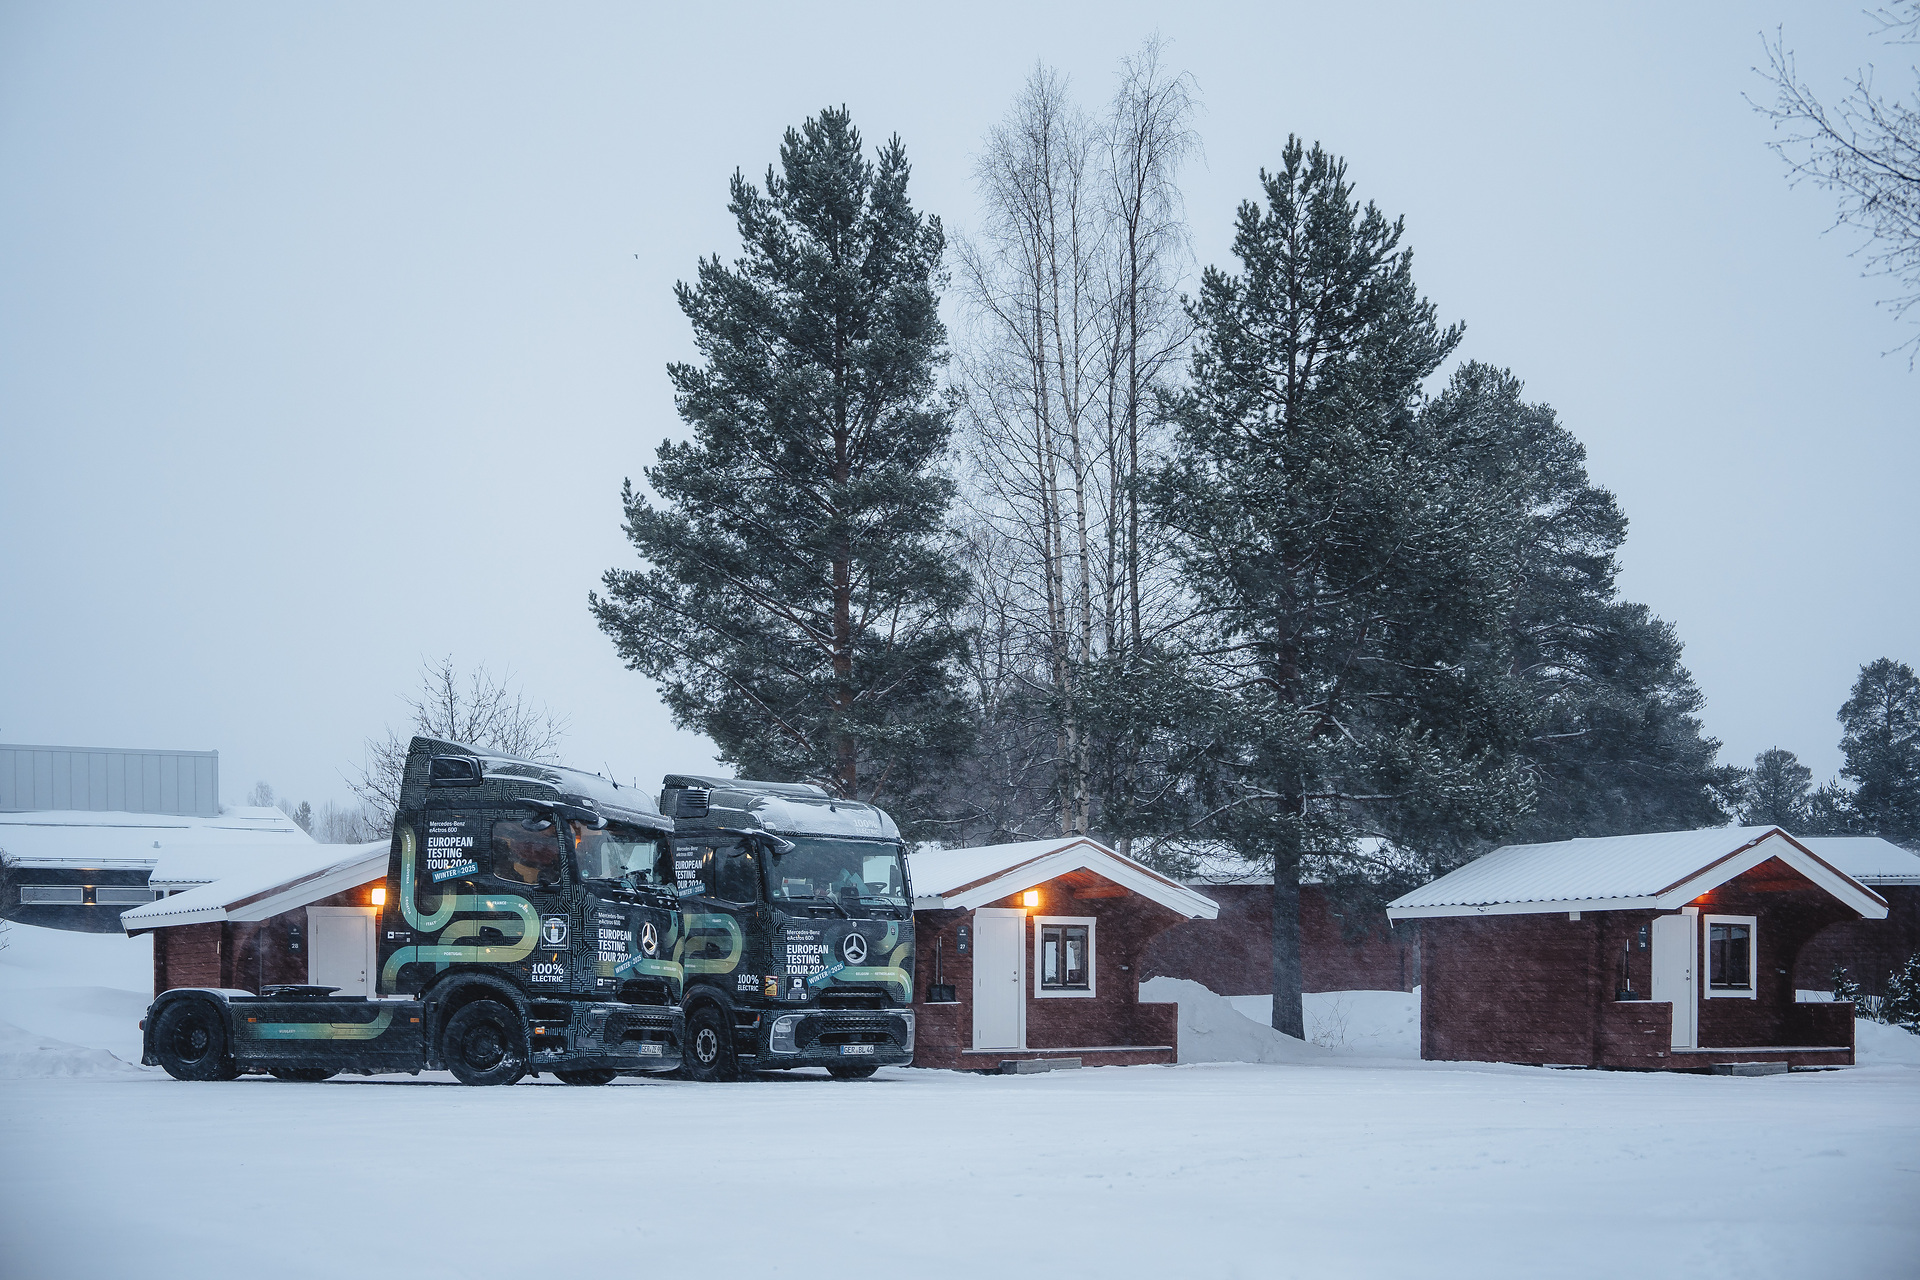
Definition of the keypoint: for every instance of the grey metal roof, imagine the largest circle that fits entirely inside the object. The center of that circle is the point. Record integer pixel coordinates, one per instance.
(1660, 871)
(1868, 859)
(97, 779)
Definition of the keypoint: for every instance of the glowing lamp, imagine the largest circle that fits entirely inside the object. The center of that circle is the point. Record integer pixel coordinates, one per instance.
(379, 898)
(1031, 898)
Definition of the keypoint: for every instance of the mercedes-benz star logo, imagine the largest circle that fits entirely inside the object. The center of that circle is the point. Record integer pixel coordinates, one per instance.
(853, 949)
(649, 938)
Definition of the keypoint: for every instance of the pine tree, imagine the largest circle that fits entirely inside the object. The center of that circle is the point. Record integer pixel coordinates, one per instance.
(1881, 742)
(1355, 570)
(1614, 745)
(1902, 1004)
(800, 585)
(1777, 792)
(1845, 989)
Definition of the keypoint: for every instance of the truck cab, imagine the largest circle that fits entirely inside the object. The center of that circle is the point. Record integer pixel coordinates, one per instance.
(796, 929)
(530, 923)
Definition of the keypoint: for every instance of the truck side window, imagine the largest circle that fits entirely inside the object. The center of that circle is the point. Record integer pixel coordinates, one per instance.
(735, 877)
(527, 850)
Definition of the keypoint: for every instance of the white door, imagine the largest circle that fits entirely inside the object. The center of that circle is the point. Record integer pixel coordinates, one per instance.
(999, 978)
(340, 949)
(1675, 947)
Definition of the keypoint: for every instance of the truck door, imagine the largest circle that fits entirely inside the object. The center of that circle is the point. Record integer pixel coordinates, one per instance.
(722, 918)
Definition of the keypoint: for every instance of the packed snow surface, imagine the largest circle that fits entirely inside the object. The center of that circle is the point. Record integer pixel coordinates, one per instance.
(1342, 1159)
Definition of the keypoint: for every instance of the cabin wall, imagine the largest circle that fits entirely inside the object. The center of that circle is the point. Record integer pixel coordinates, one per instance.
(1543, 988)
(1113, 1018)
(240, 955)
(1869, 950)
(1787, 919)
(1517, 988)
(1233, 955)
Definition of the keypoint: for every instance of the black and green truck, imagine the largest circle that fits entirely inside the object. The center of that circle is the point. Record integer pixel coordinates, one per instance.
(530, 923)
(796, 929)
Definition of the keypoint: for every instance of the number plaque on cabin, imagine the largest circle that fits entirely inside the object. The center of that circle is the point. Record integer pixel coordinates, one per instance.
(964, 943)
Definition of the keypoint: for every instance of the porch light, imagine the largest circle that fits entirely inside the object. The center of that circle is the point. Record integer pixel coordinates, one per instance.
(1031, 898)
(379, 896)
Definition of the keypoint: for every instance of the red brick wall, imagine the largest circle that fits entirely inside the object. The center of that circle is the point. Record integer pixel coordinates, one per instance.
(1233, 955)
(1112, 1016)
(1870, 950)
(244, 955)
(1540, 988)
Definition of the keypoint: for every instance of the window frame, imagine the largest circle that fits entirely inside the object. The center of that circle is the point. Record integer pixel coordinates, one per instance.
(1752, 990)
(1091, 990)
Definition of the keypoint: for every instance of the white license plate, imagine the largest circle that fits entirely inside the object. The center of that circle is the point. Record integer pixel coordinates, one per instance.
(849, 1050)
(651, 1050)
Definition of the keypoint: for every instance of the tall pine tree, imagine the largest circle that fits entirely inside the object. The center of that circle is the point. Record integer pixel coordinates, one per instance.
(1777, 791)
(799, 586)
(1880, 738)
(1353, 566)
(1614, 746)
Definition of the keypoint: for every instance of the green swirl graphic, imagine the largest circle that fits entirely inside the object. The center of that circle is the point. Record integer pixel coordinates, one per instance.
(718, 922)
(448, 950)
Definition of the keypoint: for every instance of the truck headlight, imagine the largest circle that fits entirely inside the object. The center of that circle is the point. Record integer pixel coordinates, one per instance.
(780, 1038)
(908, 1015)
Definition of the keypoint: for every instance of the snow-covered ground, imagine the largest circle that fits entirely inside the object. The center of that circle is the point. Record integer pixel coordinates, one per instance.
(1346, 1162)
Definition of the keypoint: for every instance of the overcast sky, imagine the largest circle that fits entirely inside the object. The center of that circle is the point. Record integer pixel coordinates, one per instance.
(327, 332)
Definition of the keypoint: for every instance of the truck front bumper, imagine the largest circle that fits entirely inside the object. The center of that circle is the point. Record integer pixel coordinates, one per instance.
(624, 1037)
(820, 1037)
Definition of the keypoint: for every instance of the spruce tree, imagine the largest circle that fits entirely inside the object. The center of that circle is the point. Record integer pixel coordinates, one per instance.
(1353, 568)
(797, 597)
(1881, 742)
(1777, 792)
(1613, 743)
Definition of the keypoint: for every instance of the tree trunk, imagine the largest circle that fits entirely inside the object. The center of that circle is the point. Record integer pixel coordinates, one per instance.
(1288, 1016)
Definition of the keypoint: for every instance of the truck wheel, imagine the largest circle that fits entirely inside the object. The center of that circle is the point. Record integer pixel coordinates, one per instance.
(587, 1075)
(190, 1040)
(484, 1044)
(307, 1075)
(710, 1046)
(849, 1071)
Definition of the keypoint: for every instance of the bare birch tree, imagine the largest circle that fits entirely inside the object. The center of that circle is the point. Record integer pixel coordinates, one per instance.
(1071, 291)
(473, 708)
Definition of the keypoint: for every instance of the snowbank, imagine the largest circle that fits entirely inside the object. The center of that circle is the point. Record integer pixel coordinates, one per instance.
(1213, 1030)
(26, 1056)
(82, 991)
(1374, 1024)
(1877, 1044)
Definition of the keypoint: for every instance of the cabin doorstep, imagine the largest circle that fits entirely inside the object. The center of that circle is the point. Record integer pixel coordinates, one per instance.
(1675, 951)
(1033, 952)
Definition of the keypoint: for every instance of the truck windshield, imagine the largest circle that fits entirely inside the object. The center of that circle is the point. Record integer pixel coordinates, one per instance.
(620, 853)
(822, 869)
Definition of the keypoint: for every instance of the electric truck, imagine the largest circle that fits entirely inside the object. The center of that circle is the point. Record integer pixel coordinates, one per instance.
(796, 929)
(530, 923)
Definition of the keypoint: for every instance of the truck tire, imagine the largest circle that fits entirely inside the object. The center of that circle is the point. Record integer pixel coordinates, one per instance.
(849, 1071)
(710, 1046)
(306, 1075)
(587, 1075)
(190, 1040)
(484, 1043)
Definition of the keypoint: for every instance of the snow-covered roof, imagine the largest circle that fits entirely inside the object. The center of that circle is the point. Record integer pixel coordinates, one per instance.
(256, 894)
(185, 865)
(89, 838)
(1662, 871)
(968, 878)
(1868, 859)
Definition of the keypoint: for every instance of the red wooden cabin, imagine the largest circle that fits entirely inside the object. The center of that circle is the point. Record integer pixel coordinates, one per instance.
(1034, 950)
(1673, 951)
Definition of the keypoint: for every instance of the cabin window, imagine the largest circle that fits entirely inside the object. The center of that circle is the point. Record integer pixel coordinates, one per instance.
(52, 895)
(527, 850)
(1063, 956)
(1730, 955)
